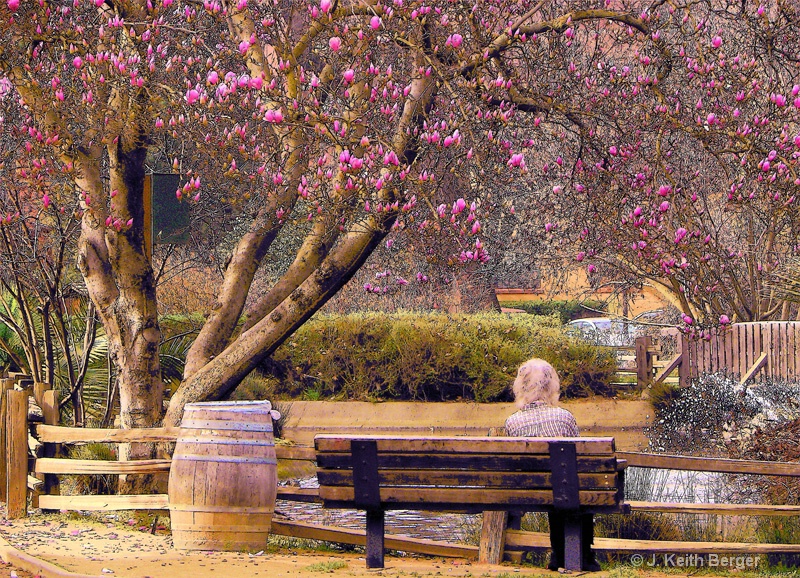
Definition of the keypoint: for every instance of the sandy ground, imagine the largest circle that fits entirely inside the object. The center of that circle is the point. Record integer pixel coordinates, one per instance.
(92, 548)
(70, 546)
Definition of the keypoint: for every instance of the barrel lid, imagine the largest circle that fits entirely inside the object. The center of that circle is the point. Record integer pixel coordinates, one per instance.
(247, 406)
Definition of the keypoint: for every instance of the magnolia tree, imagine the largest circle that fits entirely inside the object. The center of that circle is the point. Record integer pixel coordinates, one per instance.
(326, 129)
(41, 293)
(691, 180)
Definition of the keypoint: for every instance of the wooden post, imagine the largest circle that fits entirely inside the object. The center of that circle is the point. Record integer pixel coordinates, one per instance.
(17, 454)
(644, 361)
(684, 368)
(493, 528)
(39, 387)
(51, 415)
(5, 386)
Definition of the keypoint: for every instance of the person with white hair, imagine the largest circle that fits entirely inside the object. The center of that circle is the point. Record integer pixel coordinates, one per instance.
(536, 392)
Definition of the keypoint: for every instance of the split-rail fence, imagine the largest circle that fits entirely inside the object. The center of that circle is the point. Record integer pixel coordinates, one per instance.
(30, 464)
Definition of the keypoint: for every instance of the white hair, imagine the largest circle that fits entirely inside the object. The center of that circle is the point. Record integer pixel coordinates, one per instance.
(536, 381)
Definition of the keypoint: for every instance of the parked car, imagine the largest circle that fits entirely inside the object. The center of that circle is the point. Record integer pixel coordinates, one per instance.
(603, 331)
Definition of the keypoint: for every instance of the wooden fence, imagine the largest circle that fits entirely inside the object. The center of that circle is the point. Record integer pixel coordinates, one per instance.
(30, 467)
(751, 351)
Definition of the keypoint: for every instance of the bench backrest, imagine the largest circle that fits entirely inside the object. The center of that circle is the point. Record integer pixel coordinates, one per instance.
(468, 474)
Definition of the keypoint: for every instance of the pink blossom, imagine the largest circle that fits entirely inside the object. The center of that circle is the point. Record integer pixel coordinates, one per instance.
(244, 46)
(664, 207)
(716, 42)
(591, 269)
(325, 6)
(517, 160)
(724, 320)
(454, 40)
(192, 96)
(213, 77)
(13, 5)
(77, 62)
(375, 22)
(687, 320)
(459, 206)
(335, 43)
(349, 75)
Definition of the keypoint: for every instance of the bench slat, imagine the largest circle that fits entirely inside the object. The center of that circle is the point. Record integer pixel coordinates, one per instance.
(464, 444)
(459, 478)
(472, 462)
(456, 498)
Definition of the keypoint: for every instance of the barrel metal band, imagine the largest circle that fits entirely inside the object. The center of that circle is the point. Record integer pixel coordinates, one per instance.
(224, 425)
(228, 529)
(222, 509)
(225, 442)
(224, 459)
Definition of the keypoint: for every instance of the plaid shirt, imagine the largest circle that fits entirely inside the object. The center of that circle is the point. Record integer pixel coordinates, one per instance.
(539, 419)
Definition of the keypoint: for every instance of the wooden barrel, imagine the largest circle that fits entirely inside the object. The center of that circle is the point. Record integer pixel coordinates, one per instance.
(223, 478)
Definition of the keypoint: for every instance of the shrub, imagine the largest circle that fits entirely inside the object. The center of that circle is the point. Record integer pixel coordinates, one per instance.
(433, 357)
(91, 484)
(565, 310)
(695, 419)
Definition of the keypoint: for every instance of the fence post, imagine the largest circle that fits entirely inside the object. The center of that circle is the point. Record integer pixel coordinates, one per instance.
(39, 387)
(493, 527)
(644, 361)
(684, 370)
(5, 385)
(17, 453)
(50, 411)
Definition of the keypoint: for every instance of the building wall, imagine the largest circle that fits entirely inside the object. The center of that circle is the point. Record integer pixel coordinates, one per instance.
(577, 288)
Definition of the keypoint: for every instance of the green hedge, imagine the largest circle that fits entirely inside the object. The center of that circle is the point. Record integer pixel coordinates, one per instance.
(566, 310)
(435, 357)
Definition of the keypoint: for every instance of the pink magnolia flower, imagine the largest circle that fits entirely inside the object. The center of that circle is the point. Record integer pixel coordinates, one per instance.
(13, 5)
(77, 62)
(349, 75)
(454, 40)
(325, 6)
(724, 320)
(375, 22)
(716, 42)
(335, 43)
(192, 96)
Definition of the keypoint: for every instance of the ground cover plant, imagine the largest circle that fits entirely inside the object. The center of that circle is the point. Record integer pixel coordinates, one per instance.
(715, 411)
(433, 357)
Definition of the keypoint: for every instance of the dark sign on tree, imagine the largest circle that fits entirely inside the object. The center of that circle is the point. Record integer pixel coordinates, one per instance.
(169, 216)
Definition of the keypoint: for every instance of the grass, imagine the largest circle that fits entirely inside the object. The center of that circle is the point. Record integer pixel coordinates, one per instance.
(327, 567)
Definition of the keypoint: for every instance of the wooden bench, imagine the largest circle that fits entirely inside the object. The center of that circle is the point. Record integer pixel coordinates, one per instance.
(569, 476)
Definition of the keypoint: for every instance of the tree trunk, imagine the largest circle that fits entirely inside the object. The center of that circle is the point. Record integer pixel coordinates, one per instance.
(121, 285)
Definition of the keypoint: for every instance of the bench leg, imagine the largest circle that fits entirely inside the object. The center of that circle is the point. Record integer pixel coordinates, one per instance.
(375, 527)
(573, 542)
